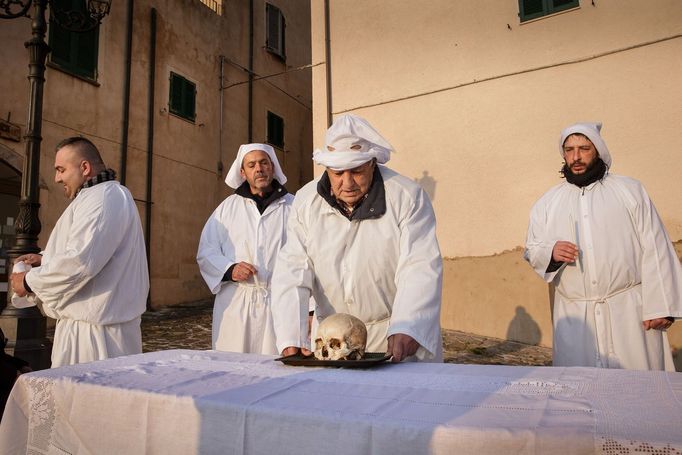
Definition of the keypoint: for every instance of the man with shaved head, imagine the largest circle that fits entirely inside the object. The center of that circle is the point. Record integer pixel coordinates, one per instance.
(92, 276)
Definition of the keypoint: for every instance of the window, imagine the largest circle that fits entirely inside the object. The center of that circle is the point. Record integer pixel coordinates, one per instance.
(532, 9)
(182, 99)
(215, 5)
(274, 26)
(275, 130)
(73, 52)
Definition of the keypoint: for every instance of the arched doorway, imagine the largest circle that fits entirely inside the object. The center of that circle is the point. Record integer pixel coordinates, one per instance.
(10, 191)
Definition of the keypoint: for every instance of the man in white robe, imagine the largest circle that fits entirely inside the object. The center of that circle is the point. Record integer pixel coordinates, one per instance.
(238, 247)
(361, 240)
(599, 240)
(92, 276)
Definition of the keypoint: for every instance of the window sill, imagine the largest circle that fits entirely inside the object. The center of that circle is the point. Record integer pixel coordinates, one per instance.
(178, 116)
(61, 69)
(530, 21)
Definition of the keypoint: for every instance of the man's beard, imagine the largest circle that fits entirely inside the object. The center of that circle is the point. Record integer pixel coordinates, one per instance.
(595, 171)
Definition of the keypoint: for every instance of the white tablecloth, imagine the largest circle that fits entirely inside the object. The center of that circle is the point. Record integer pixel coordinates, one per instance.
(187, 402)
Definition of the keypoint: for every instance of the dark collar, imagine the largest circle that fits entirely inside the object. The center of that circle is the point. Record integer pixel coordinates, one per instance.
(104, 176)
(263, 202)
(373, 205)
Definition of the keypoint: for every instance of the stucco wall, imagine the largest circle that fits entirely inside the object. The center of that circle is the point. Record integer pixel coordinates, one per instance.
(473, 102)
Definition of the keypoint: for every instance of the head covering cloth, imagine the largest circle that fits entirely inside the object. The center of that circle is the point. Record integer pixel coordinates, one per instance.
(351, 142)
(592, 131)
(234, 177)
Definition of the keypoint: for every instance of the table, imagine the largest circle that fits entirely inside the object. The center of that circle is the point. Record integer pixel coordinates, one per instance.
(187, 402)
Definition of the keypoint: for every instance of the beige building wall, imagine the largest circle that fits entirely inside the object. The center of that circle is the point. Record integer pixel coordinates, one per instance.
(189, 159)
(473, 102)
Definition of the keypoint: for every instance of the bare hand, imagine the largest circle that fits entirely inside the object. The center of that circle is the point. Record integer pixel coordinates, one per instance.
(17, 280)
(658, 324)
(564, 252)
(34, 260)
(293, 350)
(401, 346)
(243, 271)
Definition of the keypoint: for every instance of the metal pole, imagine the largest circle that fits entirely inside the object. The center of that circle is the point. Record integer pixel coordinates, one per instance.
(26, 328)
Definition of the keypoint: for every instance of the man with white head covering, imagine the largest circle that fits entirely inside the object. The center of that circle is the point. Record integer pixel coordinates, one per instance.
(361, 240)
(238, 247)
(598, 239)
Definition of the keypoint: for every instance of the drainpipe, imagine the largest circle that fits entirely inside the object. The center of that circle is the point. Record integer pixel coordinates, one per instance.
(150, 144)
(328, 60)
(126, 92)
(219, 166)
(251, 7)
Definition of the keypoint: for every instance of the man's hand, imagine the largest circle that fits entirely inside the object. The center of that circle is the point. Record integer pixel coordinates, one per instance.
(17, 280)
(243, 271)
(658, 324)
(564, 252)
(292, 350)
(401, 346)
(34, 260)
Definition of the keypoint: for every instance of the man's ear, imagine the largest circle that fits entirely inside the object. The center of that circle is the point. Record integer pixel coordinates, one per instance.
(242, 173)
(86, 168)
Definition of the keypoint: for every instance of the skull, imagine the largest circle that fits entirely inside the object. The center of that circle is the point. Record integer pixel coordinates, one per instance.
(341, 337)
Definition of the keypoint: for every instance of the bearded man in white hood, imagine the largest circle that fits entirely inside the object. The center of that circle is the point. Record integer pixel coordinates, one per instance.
(361, 240)
(618, 282)
(238, 247)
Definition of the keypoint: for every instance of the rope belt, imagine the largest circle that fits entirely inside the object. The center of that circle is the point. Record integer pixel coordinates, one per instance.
(602, 326)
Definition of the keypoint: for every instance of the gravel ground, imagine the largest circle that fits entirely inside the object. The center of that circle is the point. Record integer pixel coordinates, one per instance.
(188, 326)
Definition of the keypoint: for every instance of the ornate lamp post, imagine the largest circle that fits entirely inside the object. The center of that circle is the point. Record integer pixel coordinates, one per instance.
(26, 328)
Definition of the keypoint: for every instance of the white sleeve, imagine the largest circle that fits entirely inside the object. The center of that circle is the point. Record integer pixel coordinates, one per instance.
(539, 245)
(291, 287)
(215, 253)
(419, 277)
(94, 236)
(661, 270)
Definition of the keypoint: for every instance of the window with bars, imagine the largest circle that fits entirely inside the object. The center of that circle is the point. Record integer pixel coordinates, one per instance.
(532, 9)
(182, 99)
(275, 26)
(215, 5)
(73, 52)
(275, 131)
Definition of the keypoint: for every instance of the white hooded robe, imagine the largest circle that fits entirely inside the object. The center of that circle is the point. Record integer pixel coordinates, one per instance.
(627, 272)
(236, 232)
(386, 271)
(93, 277)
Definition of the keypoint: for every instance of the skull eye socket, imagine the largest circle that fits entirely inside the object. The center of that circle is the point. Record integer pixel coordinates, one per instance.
(318, 343)
(334, 343)
(330, 148)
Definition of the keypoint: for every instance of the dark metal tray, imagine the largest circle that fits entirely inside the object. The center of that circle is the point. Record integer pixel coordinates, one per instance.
(369, 360)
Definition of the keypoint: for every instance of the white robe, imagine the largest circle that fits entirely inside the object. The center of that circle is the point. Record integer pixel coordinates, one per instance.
(385, 271)
(93, 278)
(627, 273)
(236, 232)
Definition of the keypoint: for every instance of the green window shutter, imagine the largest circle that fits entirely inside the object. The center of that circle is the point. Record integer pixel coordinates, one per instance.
(74, 52)
(532, 9)
(182, 97)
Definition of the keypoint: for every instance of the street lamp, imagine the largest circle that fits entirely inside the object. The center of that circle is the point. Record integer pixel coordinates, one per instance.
(26, 327)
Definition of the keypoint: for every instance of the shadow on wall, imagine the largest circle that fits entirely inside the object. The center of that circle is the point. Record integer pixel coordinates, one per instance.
(523, 328)
(428, 183)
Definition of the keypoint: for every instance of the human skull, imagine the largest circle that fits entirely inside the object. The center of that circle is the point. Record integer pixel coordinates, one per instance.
(340, 337)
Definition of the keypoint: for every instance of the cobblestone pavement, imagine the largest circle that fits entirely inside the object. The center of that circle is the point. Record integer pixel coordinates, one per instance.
(189, 327)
